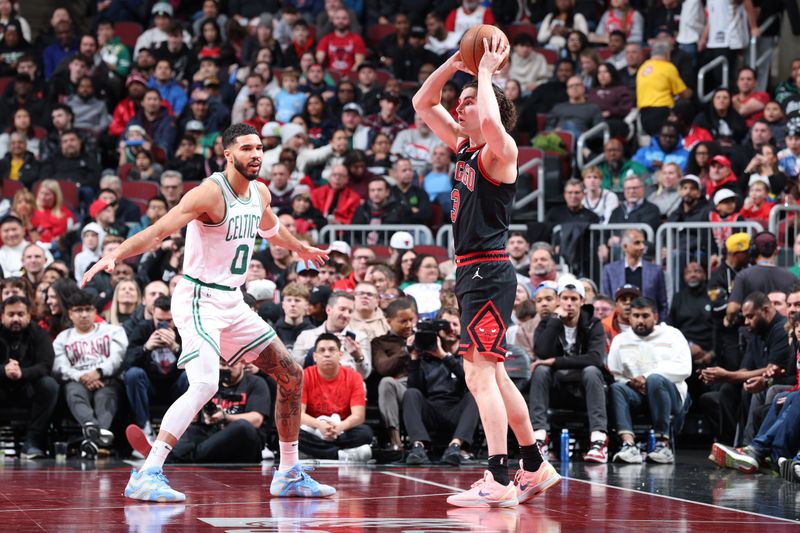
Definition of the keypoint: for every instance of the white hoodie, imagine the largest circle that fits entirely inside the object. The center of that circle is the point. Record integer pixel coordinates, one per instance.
(665, 352)
(103, 347)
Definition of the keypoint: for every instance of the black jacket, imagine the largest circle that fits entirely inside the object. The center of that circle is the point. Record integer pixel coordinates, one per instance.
(414, 197)
(137, 355)
(439, 379)
(83, 170)
(288, 333)
(590, 341)
(34, 354)
(647, 213)
(390, 213)
(28, 174)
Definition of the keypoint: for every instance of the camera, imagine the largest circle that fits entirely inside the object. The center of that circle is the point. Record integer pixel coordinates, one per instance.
(210, 407)
(426, 333)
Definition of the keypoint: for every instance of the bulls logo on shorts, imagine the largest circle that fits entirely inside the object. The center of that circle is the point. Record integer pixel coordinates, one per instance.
(487, 330)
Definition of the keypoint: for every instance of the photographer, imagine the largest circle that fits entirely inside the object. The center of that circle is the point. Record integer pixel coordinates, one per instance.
(151, 364)
(232, 427)
(437, 396)
(570, 348)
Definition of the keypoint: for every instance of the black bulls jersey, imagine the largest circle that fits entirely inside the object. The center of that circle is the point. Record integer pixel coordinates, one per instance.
(482, 206)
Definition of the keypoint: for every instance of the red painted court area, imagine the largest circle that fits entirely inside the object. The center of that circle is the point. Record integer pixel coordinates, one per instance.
(231, 499)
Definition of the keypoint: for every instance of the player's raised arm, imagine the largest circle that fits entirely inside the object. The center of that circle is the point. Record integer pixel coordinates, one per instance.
(272, 230)
(498, 141)
(195, 204)
(427, 102)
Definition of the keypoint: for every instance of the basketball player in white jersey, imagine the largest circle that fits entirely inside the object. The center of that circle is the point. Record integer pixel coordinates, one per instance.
(224, 214)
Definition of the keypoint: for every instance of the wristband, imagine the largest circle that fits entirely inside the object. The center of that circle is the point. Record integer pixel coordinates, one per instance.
(269, 233)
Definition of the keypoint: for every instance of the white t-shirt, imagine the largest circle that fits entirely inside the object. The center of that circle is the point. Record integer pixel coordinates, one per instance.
(693, 20)
(727, 25)
(571, 335)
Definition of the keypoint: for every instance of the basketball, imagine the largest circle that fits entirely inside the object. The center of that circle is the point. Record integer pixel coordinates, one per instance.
(471, 46)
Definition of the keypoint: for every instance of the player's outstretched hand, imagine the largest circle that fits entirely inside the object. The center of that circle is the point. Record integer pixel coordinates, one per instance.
(456, 61)
(309, 254)
(106, 263)
(495, 52)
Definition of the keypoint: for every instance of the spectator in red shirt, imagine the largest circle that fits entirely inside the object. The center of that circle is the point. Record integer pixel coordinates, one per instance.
(333, 407)
(341, 51)
(127, 108)
(51, 218)
(471, 13)
(757, 205)
(748, 102)
(336, 200)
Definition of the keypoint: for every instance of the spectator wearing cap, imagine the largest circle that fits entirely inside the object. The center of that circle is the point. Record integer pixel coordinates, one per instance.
(306, 216)
(163, 80)
(379, 208)
(270, 133)
(693, 206)
(757, 205)
(156, 121)
(136, 85)
(724, 210)
(386, 121)
(720, 286)
(528, 67)
(410, 195)
(103, 212)
(664, 148)
(570, 350)
(358, 134)
(720, 175)
(368, 91)
(262, 290)
(335, 200)
(317, 304)
(764, 276)
(632, 269)
(262, 37)
(406, 60)
(307, 275)
(341, 51)
(400, 242)
(358, 266)
(416, 144)
(619, 320)
(162, 19)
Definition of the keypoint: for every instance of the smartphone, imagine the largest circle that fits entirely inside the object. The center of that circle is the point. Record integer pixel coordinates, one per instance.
(350, 334)
(134, 142)
(163, 325)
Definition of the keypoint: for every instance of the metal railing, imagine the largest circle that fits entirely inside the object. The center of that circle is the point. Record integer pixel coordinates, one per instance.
(754, 60)
(784, 223)
(587, 261)
(538, 194)
(681, 242)
(584, 137)
(701, 77)
(444, 237)
(368, 234)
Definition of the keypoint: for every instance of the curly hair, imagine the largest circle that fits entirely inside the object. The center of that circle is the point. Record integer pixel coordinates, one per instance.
(508, 113)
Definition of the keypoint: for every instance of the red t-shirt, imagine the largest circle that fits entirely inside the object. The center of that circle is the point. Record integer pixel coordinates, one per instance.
(340, 52)
(324, 397)
(50, 226)
(760, 97)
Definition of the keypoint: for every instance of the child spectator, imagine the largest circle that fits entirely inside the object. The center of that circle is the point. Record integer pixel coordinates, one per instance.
(757, 205)
(789, 157)
(724, 211)
(289, 102)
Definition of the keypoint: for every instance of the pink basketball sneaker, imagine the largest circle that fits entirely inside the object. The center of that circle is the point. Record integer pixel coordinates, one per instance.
(486, 493)
(530, 484)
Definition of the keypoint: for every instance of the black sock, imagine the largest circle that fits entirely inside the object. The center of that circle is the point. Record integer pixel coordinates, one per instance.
(531, 457)
(498, 466)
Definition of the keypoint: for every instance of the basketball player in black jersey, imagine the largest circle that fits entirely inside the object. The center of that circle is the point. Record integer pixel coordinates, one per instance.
(486, 176)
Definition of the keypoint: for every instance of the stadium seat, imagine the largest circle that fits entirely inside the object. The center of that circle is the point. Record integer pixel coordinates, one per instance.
(189, 185)
(512, 30)
(376, 33)
(141, 204)
(604, 53)
(69, 190)
(10, 188)
(4, 81)
(140, 190)
(128, 32)
(549, 55)
(382, 253)
(438, 252)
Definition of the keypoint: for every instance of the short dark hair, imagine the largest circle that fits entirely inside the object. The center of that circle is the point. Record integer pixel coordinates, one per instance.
(63, 107)
(80, 298)
(11, 218)
(163, 303)
(757, 299)
(158, 198)
(189, 139)
(400, 304)
(11, 300)
(508, 114)
(643, 302)
(234, 131)
(619, 33)
(328, 337)
(104, 21)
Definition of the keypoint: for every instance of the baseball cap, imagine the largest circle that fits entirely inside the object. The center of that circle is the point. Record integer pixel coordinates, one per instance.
(385, 95)
(195, 125)
(300, 189)
(627, 289)
(757, 178)
(691, 178)
(290, 130)
(417, 31)
(738, 242)
(271, 129)
(162, 8)
(552, 285)
(401, 240)
(136, 128)
(352, 106)
(261, 289)
(319, 295)
(766, 243)
(722, 195)
(571, 284)
(309, 269)
(721, 160)
(99, 205)
(340, 247)
(135, 77)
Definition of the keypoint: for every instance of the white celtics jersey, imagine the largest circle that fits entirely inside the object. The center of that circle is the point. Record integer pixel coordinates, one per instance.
(219, 254)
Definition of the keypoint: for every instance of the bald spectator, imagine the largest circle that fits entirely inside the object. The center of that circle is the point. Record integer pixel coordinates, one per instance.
(341, 51)
(34, 259)
(576, 115)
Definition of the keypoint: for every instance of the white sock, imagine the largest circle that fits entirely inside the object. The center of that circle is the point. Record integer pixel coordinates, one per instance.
(540, 434)
(158, 454)
(289, 455)
(597, 435)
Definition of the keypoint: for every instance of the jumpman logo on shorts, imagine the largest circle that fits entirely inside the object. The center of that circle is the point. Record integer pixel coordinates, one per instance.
(477, 274)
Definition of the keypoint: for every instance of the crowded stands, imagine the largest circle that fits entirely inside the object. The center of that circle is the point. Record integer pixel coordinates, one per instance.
(654, 233)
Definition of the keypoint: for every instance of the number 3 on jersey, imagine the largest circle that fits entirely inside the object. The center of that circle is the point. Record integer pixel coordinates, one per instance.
(455, 199)
(239, 263)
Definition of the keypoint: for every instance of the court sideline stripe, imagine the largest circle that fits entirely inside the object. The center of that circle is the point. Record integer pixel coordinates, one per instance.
(420, 480)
